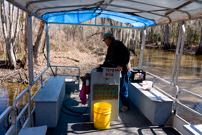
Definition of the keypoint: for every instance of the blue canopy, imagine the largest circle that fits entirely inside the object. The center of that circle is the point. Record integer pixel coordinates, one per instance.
(78, 17)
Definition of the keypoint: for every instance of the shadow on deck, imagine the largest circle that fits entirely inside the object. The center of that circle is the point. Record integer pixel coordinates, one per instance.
(130, 122)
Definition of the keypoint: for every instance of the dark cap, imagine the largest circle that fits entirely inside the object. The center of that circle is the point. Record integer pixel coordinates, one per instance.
(108, 35)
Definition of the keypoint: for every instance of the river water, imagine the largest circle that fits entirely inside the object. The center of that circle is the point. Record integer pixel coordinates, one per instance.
(157, 62)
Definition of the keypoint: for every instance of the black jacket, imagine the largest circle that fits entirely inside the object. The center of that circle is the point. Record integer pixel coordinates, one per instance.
(118, 53)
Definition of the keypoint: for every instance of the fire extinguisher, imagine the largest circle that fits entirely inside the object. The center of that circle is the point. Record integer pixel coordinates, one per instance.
(87, 84)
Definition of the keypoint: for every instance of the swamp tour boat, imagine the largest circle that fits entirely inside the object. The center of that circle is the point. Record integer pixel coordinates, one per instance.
(55, 108)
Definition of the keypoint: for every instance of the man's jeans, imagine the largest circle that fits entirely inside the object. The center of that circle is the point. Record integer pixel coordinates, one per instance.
(124, 88)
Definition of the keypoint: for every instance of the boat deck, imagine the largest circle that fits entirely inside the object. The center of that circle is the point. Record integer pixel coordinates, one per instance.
(130, 122)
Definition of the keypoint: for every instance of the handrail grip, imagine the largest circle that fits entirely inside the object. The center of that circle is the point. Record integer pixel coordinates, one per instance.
(5, 113)
(40, 75)
(23, 110)
(193, 94)
(19, 96)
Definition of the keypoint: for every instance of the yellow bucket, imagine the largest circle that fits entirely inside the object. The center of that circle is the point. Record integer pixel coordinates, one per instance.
(102, 114)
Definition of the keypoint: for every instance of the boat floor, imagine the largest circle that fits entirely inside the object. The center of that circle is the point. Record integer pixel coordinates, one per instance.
(130, 122)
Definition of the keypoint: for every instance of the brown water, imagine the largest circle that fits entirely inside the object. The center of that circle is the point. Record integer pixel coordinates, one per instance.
(8, 92)
(158, 62)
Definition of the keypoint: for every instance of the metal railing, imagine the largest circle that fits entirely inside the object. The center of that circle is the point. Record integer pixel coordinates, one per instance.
(13, 110)
(176, 98)
(72, 75)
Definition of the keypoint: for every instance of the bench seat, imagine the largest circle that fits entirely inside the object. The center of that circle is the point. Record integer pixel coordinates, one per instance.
(194, 129)
(49, 102)
(33, 131)
(154, 105)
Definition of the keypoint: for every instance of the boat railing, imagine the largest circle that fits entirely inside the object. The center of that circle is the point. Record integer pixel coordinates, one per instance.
(177, 96)
(13, 129)
(77, 74)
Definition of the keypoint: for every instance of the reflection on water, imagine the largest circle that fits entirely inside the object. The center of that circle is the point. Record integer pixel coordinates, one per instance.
(160, 63)
(9, 91)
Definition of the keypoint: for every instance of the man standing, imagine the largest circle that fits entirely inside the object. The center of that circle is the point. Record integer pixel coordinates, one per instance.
(119, 55)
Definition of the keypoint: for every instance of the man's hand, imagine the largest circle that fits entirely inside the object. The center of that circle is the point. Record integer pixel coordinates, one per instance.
(119, 68)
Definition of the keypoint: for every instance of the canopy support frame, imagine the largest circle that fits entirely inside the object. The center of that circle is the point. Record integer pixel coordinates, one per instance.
(47, 46)
(178, 54)
(30, 49)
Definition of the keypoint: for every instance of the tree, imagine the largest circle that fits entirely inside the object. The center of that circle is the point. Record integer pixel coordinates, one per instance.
(199, 50)
(25, 56)
(152, 35)
(10, 24)
(162, 35)
(36, 47)
(167, 36)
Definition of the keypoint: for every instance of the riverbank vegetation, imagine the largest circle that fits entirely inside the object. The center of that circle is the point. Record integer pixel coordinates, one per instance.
(77, 45)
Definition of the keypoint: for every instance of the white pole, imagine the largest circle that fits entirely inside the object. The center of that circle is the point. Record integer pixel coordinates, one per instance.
(142, 48)
(176, 54)
(181, 51)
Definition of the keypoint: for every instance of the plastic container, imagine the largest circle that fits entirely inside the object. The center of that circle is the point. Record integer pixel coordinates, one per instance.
(147, 85)
(102, 115)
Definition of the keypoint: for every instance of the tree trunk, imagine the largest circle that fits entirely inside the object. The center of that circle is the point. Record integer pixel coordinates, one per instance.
(173, 42)
(138, 37)
(167, 36)
(36, 47)
(189, 35)
(43, 44)
(25, 56)
(152, 35)
(162, 35)
(81, 33)
(10, 29)
(103, 28)
(199, 50)
(157, 39)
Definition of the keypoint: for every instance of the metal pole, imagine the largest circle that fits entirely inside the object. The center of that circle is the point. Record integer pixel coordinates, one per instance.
(180, 54)
(41, 81)
(14, 119)
(176, 55)
(142, 48)
(29, 107)
(30, 50)
(47, 46)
